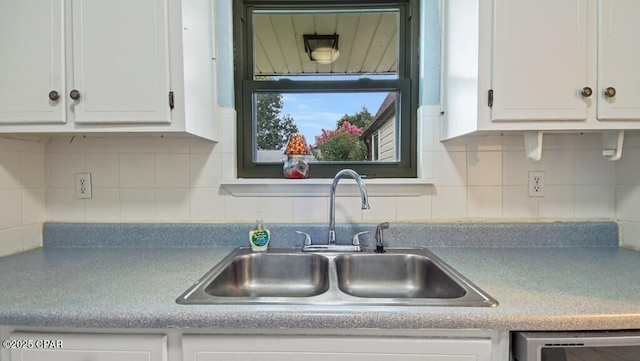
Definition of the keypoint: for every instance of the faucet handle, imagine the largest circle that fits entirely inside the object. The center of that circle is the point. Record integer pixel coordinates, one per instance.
(356, 238)
(307, 238)
(379, 237)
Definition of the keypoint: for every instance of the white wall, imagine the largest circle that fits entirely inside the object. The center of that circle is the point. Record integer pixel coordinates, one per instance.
(628, 191)
(22, 195)
(486, 177)
(178, 180)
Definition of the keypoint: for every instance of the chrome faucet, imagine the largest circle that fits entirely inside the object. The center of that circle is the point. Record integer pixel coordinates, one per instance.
(331, 245)
(332, 200)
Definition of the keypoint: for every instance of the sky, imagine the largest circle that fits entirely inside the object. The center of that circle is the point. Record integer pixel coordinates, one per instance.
(314, 111)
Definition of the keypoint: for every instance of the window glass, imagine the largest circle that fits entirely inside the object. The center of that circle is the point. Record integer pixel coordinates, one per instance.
(365, 42)
(341, 73)
(375, 152)
(337, 126)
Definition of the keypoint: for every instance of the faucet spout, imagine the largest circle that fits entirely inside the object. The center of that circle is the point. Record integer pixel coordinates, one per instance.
(332, 199)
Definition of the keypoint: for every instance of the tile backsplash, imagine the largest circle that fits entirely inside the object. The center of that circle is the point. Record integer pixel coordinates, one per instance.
(170, 179)
(22, 194)
(178, 180)
(627, 191)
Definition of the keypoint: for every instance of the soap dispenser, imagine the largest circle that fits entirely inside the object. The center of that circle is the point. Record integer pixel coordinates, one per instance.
(259, 237)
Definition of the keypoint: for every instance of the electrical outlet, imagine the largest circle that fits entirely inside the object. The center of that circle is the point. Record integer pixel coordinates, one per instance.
(83, 185)
(536, 184)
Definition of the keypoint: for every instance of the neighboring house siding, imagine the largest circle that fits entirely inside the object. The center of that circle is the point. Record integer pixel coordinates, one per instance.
(387, 140)
(380, 134)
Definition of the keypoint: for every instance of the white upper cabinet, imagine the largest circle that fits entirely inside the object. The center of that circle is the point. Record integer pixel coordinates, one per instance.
(540, 65)
(539, 60)
(619, 60)
(120, 61)
(86, 66)
(32, 67)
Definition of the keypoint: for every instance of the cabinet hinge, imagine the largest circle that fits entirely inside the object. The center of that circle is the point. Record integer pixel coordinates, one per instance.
(171, 99)
(490, 101)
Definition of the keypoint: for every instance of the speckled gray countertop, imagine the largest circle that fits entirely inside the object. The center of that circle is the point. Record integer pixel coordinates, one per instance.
(574, 287)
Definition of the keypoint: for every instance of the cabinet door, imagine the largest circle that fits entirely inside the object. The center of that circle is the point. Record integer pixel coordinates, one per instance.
(120, 61)
(619, 59)
(31, 61)
(77, 347)
(288, 348)
(540, 60)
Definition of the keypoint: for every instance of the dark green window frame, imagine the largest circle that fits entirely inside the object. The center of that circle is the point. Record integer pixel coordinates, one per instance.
(406, 84)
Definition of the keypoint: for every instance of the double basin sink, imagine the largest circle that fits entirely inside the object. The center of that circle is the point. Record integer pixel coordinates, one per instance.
(411, 277)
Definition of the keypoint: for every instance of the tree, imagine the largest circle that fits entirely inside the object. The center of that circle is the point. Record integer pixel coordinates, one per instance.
(273, 129)
(360, 119)
(342, 144)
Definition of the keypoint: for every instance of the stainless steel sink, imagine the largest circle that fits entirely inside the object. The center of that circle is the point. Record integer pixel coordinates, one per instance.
(271, 275)
(402, 277)
(394, 276)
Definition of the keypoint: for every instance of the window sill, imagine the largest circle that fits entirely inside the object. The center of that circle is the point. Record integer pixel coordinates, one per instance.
(380, 187)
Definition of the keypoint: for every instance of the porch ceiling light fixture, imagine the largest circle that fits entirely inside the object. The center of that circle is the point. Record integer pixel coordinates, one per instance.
(323, 49)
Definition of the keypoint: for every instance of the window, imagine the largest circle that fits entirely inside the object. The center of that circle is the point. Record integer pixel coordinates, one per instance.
(342, 73)
(374, 150)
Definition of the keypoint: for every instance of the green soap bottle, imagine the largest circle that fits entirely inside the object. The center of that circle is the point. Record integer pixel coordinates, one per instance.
(259, 237)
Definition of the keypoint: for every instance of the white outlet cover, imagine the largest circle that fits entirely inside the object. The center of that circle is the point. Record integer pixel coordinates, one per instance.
(83, 186)
(536, 184)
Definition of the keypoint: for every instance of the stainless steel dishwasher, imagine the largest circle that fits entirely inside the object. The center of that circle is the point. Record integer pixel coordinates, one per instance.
(576, 346)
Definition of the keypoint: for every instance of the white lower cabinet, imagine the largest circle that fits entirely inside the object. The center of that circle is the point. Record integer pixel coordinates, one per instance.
(87, 347)
(343, 348)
